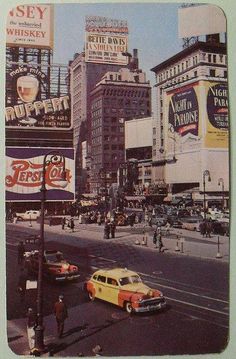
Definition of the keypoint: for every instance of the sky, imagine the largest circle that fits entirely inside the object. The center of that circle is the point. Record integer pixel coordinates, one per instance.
(153, 30)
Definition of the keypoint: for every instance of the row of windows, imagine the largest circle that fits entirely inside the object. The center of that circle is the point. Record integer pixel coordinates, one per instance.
(210, 58)
(117, 102)
(211, 73)
(96, 104)
(126, 93)
(97, 113)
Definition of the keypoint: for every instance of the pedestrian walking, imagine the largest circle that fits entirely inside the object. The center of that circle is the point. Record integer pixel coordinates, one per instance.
(203, 228)
(72, 224)
(107, 230)
(31, 322)
(159, 239)
(20, 252)
(22, 284)
(63, 223)
(155, 238)
(60, 311)
(208, 229)
(112, 229)
(99, 219)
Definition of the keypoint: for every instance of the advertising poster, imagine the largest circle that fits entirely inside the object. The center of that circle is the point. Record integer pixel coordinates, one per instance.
(183, 113)
(28, 104)
(106, 40)
(217, 129)
(30, 26)
(102, 48)
(24, 173)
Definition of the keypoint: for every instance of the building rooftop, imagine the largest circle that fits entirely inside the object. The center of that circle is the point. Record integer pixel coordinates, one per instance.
(200, 45)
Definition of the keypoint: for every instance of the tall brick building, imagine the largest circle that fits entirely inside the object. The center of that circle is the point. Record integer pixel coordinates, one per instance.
(119, 96)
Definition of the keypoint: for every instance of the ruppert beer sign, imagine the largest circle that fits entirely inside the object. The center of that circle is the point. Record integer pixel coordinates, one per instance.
(30, 110)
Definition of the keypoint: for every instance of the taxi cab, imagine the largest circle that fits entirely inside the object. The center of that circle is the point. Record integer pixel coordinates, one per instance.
(124, 288)
(55, 267)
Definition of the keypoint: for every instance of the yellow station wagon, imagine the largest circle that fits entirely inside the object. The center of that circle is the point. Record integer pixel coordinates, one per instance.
(125, 289)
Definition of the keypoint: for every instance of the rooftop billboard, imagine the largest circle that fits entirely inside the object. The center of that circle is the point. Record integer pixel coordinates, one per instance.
(106, 40)
(30, 26)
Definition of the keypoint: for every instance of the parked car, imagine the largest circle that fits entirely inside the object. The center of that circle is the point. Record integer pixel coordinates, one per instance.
(174, 221)
(159, 221)
(124, 288)
(191, 223)
(55, 267)
(28, 215)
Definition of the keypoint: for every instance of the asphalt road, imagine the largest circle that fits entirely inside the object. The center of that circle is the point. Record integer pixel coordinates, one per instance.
(196, 319)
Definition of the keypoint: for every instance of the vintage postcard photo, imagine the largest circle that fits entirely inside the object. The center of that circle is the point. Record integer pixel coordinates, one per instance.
(117, 196)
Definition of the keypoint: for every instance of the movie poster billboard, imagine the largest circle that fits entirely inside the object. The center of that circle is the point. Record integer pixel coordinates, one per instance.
(106, 49)
(217, 115)
(30, 26)
(106, 40)
(28, 105)
(24, 171)
(197, 116)
(184, 126)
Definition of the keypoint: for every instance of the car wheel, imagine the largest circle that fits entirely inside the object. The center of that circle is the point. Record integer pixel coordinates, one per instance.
(128, 307)
(91, 296)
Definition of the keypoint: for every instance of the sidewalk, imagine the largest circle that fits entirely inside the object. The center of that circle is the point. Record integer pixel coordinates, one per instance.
(190, 243)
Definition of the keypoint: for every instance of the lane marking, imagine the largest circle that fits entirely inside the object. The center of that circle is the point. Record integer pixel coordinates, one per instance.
(198, 306)
(190, 293)
(202, 319)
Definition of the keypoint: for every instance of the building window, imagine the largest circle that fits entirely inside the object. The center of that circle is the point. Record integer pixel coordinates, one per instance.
(214, 58)
(225, 74)
(154, 130)
(195, 73)
(212, 73)
(209, 57)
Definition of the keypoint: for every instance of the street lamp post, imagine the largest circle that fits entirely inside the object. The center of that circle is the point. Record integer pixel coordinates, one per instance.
(54, 159)
(221, 182)
(206, 173)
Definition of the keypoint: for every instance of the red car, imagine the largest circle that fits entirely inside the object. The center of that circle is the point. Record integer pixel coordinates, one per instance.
(55, 267)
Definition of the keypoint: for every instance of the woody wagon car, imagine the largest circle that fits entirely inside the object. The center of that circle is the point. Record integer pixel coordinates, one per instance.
(55, 267)
(124, 288)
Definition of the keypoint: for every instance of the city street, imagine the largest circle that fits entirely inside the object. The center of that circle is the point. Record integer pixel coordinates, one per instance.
(195, 321)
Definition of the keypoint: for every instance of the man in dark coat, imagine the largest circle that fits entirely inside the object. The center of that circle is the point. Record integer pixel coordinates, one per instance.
(20, 252)
(22, 284)
(60, 311)
(112, 229)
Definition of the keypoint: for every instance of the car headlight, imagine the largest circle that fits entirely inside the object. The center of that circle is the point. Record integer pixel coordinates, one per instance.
(65, 266)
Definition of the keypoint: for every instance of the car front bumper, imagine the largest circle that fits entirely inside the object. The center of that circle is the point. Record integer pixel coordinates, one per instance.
(66, 277)
(150, 308)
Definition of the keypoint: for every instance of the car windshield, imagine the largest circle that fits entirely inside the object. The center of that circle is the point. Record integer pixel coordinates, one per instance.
(130, 280)
(55, 257)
